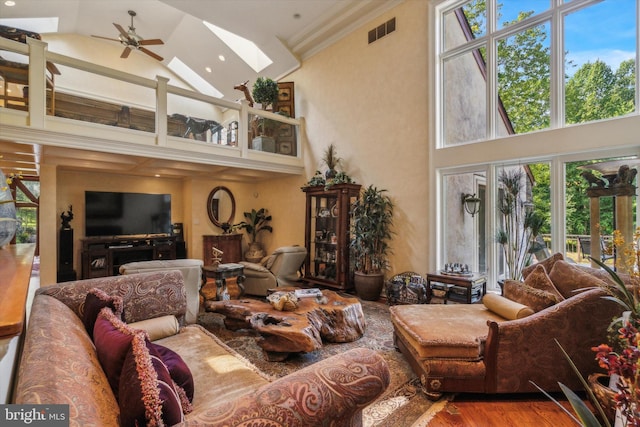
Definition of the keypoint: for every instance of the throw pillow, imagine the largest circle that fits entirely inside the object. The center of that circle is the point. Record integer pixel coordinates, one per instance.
(178, 369)
(158, 327)
(539, 279)
(546, 263)
(112, 338)
(95, 301)
(524, 294)
(570, 279)
(505, 307)
(148, 396)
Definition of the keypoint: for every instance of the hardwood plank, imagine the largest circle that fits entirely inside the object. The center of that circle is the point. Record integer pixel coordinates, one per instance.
(472, 410)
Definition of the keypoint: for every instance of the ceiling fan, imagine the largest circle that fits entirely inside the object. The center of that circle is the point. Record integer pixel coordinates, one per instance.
(131, 40)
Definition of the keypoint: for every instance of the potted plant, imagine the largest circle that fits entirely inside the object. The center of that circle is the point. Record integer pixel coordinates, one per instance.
(265, 92)
(372, 219)
(331, 159)
(520, 225)
(255, 222)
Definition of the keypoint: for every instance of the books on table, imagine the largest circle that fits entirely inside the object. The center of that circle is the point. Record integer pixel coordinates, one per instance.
(311, 292)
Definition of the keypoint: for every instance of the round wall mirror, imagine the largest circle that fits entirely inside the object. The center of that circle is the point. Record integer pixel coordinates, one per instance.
(221, 206)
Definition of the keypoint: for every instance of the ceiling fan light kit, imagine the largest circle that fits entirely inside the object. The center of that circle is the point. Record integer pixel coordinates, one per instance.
(131, 40)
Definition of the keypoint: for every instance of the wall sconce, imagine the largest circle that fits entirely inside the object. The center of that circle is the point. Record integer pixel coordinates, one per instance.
(471, 204)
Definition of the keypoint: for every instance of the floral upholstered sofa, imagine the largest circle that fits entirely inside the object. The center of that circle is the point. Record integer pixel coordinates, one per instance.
(62, 363)
(507, 342)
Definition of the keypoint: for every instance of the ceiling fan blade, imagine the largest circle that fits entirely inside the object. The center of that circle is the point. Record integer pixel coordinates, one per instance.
(106, 38)
(151, 54)
(147, 42)
(126, 52)
(122, 31)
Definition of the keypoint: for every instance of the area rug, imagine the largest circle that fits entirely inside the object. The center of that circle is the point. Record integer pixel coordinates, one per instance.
(401, 405)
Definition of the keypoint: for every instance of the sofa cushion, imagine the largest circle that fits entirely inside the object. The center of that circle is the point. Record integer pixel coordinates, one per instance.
(178, 369)
(570, 279)
(112, 338)
(158, 327)
(454, 331)
(148, 396)
(505, 307)
(59, 365)
(520, 292)
(546, 263)
(220, 374)
(539, 279)
(95, 301)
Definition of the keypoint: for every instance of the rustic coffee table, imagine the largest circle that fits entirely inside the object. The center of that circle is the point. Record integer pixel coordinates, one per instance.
(332, 318)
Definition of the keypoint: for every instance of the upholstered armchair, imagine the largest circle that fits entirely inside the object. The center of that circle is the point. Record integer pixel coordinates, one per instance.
(278, 269)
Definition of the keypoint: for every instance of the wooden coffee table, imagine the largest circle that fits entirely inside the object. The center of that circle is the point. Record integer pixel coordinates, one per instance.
(336, 319)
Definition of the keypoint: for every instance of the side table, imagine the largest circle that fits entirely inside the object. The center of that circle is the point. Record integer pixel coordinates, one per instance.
(220, 273)
(462, 288)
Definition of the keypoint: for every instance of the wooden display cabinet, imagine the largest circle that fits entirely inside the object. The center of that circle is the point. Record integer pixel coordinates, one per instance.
(327, 235)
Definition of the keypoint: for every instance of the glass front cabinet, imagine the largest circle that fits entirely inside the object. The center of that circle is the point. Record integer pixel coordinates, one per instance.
(327, 238)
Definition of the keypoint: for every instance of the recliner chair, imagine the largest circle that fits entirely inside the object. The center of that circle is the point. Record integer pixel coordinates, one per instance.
(276, 270)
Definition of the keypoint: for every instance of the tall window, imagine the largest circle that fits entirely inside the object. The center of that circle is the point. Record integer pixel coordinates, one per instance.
(513, 67)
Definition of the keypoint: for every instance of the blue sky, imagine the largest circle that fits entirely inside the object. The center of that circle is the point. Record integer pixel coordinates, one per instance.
(605, 31)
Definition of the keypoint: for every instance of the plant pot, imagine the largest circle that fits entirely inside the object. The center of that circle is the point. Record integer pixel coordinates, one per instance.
(255, 253)
(369, 286)
(599, 384)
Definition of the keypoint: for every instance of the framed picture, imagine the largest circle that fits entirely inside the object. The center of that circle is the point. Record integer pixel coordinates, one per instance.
(286, 99)
(285, 147)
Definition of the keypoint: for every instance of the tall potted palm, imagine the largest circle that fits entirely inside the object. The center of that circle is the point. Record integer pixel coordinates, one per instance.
(372, 219)
(520, 224)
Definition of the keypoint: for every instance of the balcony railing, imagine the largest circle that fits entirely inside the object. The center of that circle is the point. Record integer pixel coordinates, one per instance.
(174, 120)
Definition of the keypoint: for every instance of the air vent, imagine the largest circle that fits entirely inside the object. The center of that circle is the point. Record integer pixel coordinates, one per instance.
(382, 30)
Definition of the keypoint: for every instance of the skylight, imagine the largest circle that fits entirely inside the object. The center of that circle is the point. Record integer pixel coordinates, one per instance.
(37, 25)
(245, 49)
(193, 78)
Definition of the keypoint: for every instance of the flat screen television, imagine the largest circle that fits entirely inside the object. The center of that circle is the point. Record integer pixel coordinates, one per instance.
(122, 214)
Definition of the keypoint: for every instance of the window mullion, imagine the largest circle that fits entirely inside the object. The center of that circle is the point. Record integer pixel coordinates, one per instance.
(492, 92)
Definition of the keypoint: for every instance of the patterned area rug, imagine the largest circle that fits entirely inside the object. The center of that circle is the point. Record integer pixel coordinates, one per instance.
(401, 405)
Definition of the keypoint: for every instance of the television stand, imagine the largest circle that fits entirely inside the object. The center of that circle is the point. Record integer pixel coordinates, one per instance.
(103, 256)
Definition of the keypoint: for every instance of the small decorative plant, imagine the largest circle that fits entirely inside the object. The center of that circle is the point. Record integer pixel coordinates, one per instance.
(331, 159)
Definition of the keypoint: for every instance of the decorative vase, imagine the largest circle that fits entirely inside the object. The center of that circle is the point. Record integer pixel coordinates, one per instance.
(255, 253)
(599, 384)
(331, 173)
(8, 221)
(369, 286)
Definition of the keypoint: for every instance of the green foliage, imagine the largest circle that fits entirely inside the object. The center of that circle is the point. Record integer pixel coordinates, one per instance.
(371, 230)
(265, 92)
(255, 222)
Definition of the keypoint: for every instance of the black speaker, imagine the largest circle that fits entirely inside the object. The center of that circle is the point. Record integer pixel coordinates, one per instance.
(181, 249)
(66, 272)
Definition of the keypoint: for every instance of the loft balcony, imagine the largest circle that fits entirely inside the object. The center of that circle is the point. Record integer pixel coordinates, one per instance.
(52, 100)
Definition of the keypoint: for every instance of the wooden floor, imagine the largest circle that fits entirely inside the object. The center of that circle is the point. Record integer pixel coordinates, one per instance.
(522, 410)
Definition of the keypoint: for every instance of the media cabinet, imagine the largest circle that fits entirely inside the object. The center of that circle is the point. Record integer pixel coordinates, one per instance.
(103, 256)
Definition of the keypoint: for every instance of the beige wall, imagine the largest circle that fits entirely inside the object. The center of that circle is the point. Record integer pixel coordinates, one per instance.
(371, 102)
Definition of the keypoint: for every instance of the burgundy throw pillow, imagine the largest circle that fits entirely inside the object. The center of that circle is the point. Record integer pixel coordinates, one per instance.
(180, 372)
(112, 338)
(148, 395)
(95, 301)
